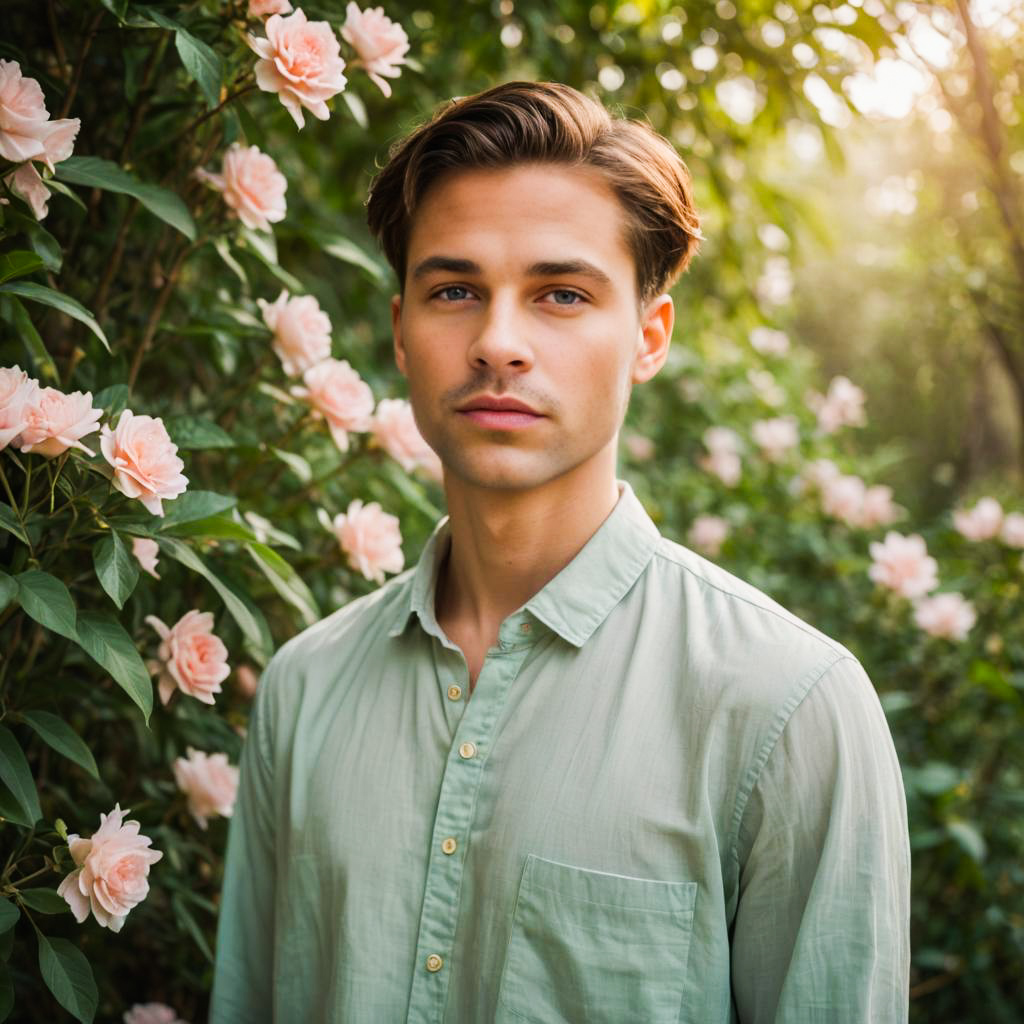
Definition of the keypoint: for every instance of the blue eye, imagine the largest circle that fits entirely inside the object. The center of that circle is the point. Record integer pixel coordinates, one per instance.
(446, 293)
(561, 294)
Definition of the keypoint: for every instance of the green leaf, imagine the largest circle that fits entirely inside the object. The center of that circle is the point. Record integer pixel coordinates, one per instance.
(59, 186)
(105, 640)
(347, 251)
(56, 733)
(68, 976)
(969, 839)
(116, 569)
(196, 505)
(8, 590)
(16, 314)
(46, 247)
(47, 601)
(202, 63)
(57, 300)
(9, 914)
(194, 433)
(286, 581)
(10, 522)
(6, 992)
(106, 175)
(18, 263)
(356, 107)
(17, 777)
(215, 527)
(296, 463)
(249, 618)
(114, 399)
(46, 901)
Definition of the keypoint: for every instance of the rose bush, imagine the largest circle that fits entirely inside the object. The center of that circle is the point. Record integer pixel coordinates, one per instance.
(234, 427)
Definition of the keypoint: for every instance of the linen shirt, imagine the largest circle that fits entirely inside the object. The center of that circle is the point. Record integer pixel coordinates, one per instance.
(668, 800)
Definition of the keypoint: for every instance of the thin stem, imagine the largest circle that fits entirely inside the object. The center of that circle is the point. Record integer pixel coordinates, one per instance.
(77, 76)
(35, 874)
(203, 118)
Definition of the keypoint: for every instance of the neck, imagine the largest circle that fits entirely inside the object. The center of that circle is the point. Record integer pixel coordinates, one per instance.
(506, 545)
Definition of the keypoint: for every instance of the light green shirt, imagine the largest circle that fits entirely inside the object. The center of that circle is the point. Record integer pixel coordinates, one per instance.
(667, 800)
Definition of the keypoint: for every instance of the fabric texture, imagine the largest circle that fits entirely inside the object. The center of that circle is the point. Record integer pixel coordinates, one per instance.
(668, 801)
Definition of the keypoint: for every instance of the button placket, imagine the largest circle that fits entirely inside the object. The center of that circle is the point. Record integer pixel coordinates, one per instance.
(453, 822)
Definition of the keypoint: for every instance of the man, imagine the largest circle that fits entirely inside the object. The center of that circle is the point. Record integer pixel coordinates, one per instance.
(563, 769)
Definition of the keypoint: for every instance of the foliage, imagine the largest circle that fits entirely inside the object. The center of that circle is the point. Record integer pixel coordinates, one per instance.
(143, 289)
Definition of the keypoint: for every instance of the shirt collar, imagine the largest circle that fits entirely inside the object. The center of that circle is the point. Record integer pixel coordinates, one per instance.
(579, 598)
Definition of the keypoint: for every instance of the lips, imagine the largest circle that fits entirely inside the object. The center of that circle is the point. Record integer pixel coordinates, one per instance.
(489, 403)
(493, 412)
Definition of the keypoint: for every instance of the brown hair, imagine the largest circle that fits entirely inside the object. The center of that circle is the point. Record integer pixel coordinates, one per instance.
(544, 122)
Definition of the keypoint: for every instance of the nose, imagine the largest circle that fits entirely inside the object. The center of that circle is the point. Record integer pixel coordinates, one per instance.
(502, 339)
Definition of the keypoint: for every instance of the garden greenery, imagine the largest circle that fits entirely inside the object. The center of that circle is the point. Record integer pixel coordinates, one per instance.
(204, 445)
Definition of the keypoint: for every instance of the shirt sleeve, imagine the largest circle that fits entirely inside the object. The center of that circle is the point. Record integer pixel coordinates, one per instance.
(244, 969)
(821, 932)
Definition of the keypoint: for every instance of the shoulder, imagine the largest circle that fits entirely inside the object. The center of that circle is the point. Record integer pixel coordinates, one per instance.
(740, 648)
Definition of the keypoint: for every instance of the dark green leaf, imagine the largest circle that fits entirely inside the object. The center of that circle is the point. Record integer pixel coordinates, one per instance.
(105, 174)
(10, 522)
(116, 568)
(286, 581)
(69, 977)
(194, 433)
(46, 901)
(9, 809)
(57, 300)
(8, 590)
(196, 505)
(46, 247)
(202, 63)
(18, 263)
(249, 618)
(47, 601)
(969, 839)
(17, 777)
(56, 733)
(114, 399)
(104, 639)
(9, 914)
(16, 314)
(219, 527)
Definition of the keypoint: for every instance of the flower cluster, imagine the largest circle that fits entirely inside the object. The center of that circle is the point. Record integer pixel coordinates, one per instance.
(988, 521)
(28, 136)
(43, 420)
(841, 406)
(849, 499)
(723, 456)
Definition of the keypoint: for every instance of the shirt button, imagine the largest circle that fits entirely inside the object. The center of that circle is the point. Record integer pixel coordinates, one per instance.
(467, 750)
(454, 692)
(448, 846)
(434, 963)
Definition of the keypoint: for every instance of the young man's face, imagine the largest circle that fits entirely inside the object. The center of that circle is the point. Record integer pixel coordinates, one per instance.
(520, 288)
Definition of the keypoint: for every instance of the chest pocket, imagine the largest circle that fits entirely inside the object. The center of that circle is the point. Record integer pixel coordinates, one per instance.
(589, 947)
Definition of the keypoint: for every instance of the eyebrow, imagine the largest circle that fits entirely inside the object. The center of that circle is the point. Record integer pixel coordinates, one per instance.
(543, 268)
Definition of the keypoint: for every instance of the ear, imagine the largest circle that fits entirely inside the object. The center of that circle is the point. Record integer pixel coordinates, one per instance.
(396, 332)
(655, 336)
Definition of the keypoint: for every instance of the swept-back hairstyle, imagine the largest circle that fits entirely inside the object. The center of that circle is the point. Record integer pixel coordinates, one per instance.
(544, 122)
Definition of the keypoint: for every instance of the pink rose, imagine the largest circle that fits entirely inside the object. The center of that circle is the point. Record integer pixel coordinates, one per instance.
(775, 437)
(146, 551)
(903, 564)
(769, 342)
(639, 447)
(209, 782)
(766, 388)
(1012, 533)
(380, 43)
(252, 186)
(151, 1013)
(248, 680)
(878, 508)
(843, 406)
(145, 460)
(112, 871)
(982, 522)
(820, 471)
(371, 538)
(945, 615)
(723, 460)
(27, 133)
(394, 428)
(707, 534)
(54, 422)
(301, 62)
(17, 390)
(302, 331)
(261, 8)
(338, 394)
(191, 657)
(842, 497)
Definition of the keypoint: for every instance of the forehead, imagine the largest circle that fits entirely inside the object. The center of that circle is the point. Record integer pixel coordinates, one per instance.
(524, 213)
